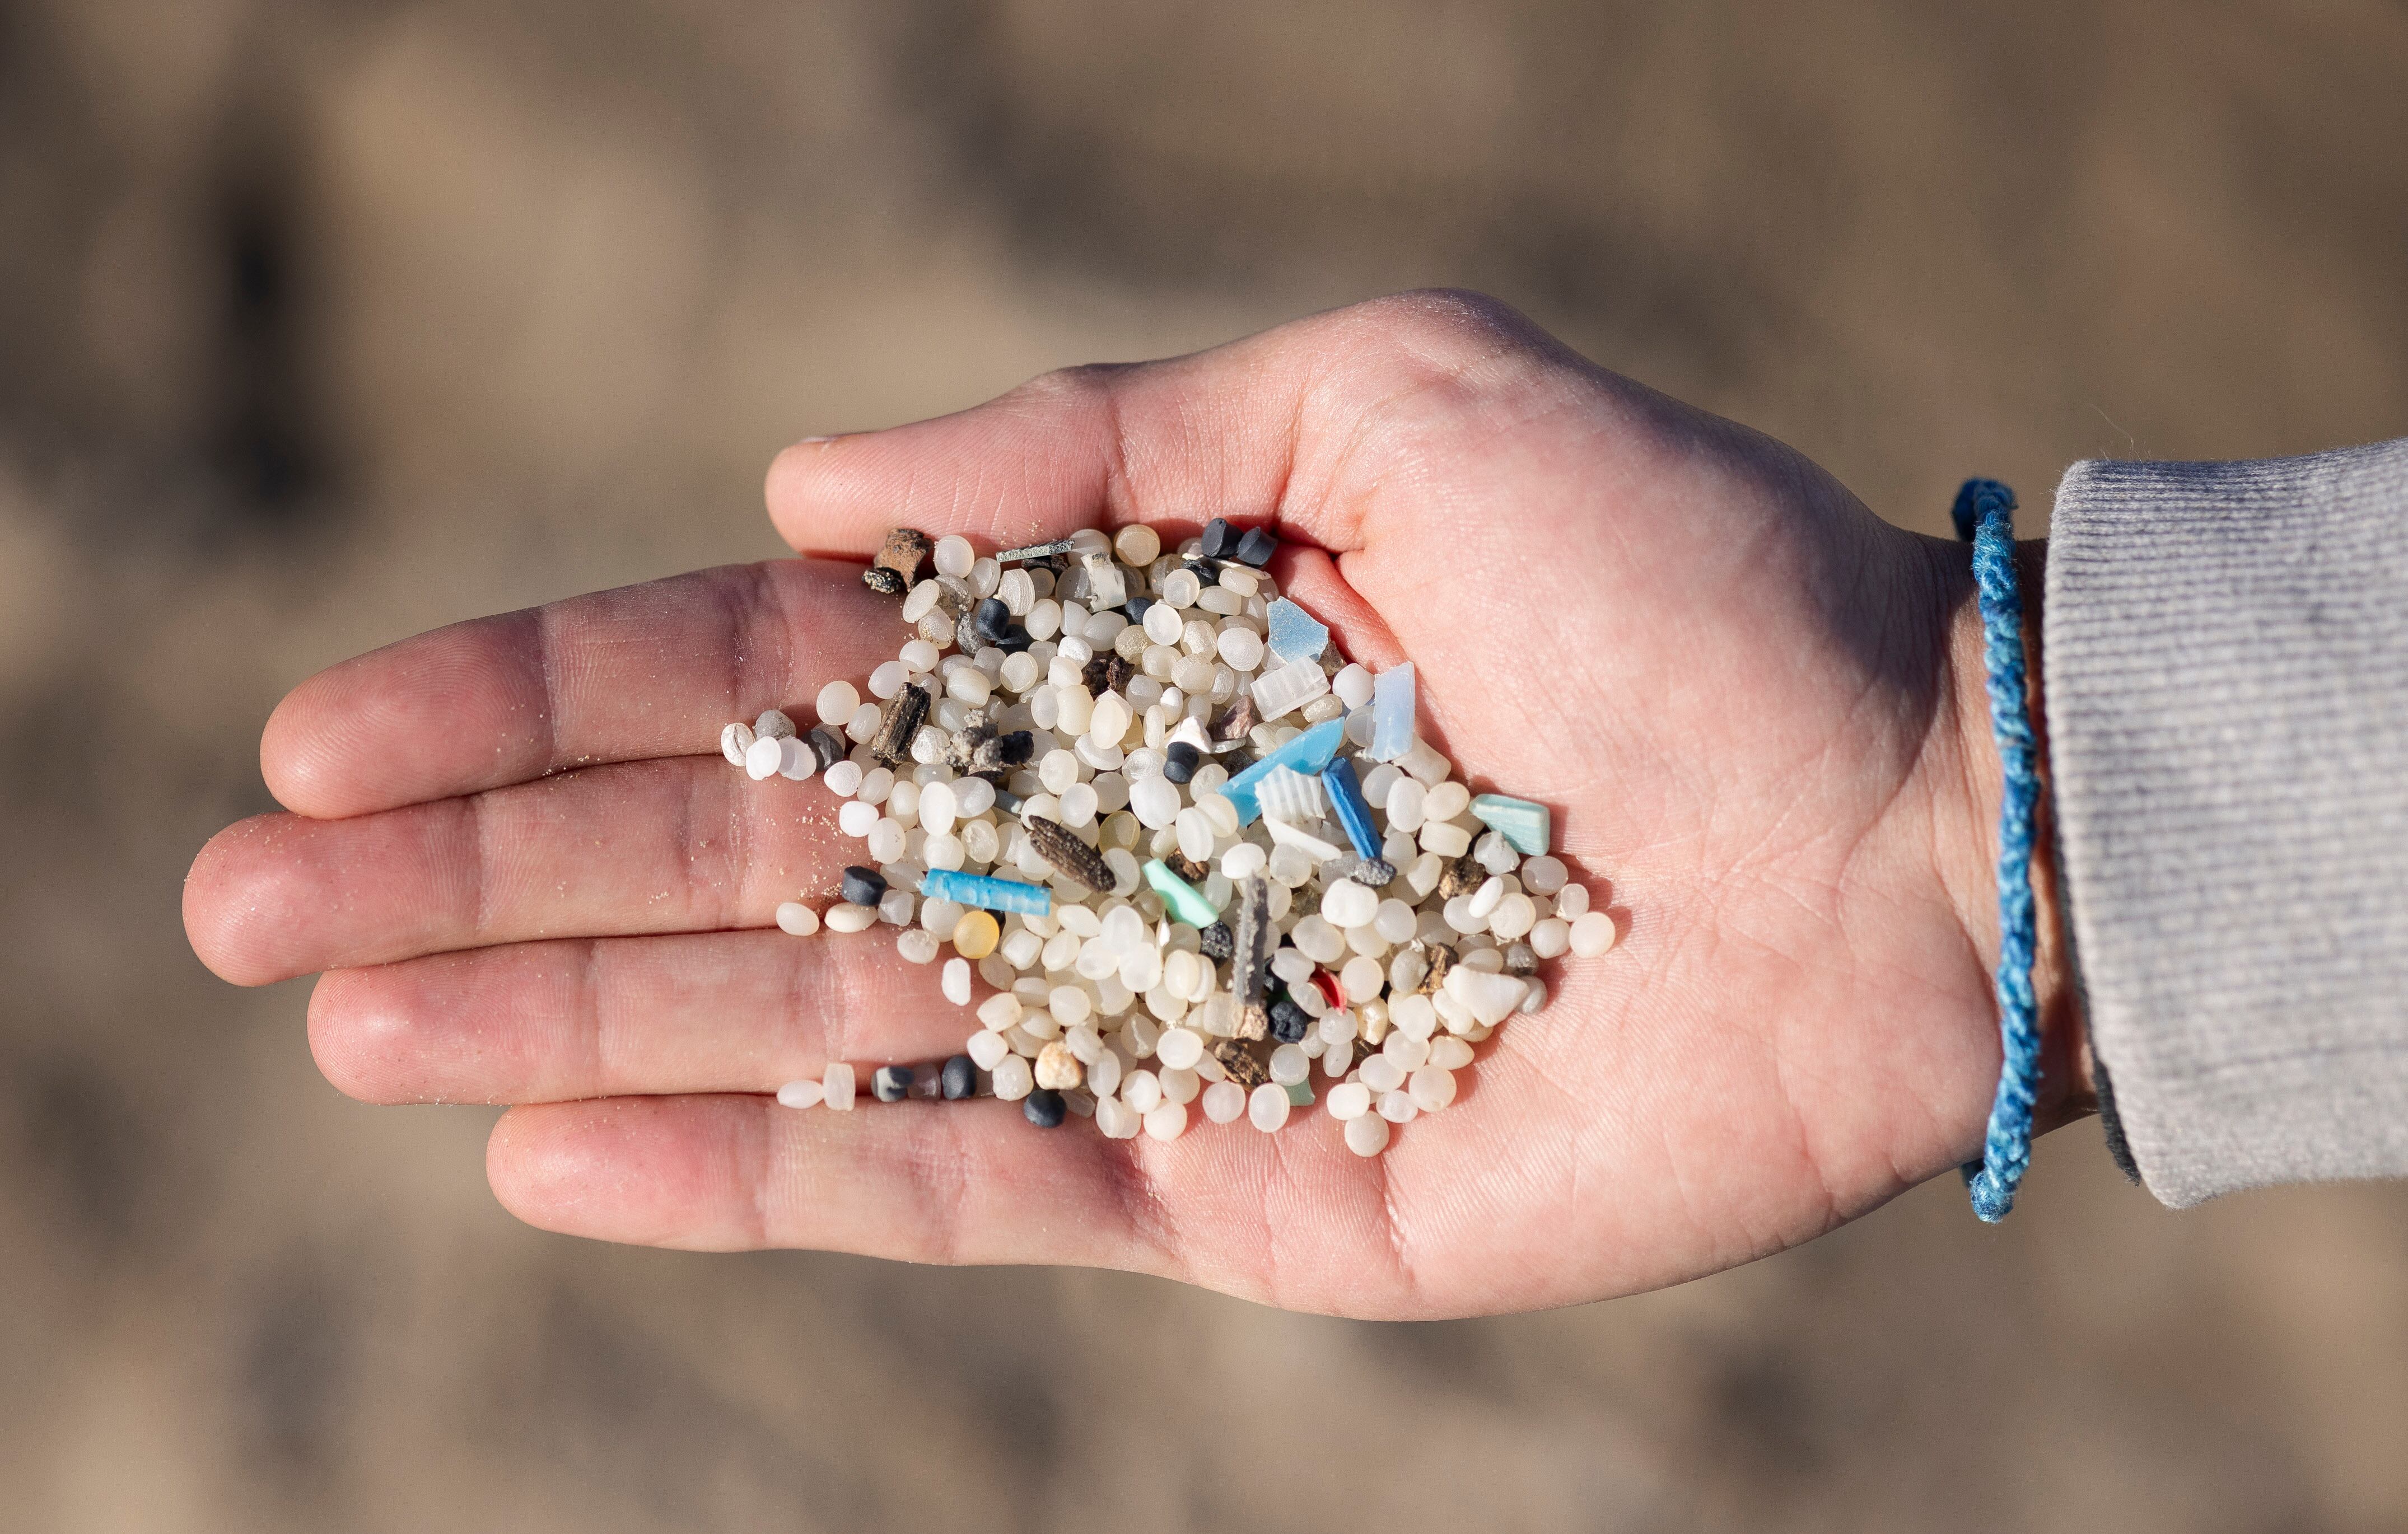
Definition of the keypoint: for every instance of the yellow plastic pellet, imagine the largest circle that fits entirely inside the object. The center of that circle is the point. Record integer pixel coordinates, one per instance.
(975, 935)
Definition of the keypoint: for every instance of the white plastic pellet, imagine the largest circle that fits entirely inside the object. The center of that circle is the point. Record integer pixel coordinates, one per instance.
(762, 758)
(1592, 934)
(1268, 1107)
(847, 917)
(1141, 1089)
(1367, 1134)
(837, 702)
(843, 780)
(1014, 1078)
(1483, 900)
(1572, 902)
(1348, 1101)
(1432, 1088)
(1222, 1101)
(1117, 1120)
(797, 918)
(956, 981)
(887, 840)
(987, 1050)
(795, 761)
(1449, 1053)
(1382, 1074)
(836, 1086)
(1353, 685)
(1154, 801)
(1444, 839)
(953, 555)
(1348, 904)
(735, 740)
(854, 818)
(1397, 1107)
(1289, 1064)
(1179, 1048)
(1167, 1121)
(1179, 1085)
(1514, 915)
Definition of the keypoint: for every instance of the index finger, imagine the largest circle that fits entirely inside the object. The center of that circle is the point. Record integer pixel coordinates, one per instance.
(615, 676)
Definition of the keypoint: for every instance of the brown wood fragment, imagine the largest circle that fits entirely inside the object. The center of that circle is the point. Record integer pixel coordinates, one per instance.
(1067, 855)
(1239, 1063)
(898, 723)
(907, 551)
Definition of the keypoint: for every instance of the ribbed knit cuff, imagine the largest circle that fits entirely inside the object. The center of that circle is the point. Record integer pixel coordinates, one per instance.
(2228, 716)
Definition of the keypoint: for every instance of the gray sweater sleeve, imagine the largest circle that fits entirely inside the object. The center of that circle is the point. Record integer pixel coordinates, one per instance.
(2224, 654)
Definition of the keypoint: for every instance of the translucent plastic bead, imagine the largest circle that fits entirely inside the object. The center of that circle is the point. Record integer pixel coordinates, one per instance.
(887, 840)
(1347, 904)
(1513, 917)
(1397, 1107)
(1268, 1107)
(1367, 1134)
(1406, 798)
(1362, 977)
(762, 758)
(1178, 1084)
(1444, 839)
(1222, 1101)
(1179, 1048)
(1408, 1052)
(838, 703)
(798, 918)
(1572, 902)
(1141, 1090)
(1289, 1064)
(1445, 801)
(1155, 802)
(1014, 1078)
(953, 557)
(1551, 939)
(1450, 1053)
(1593, 934)
(804, 1093)
(1352, 684)
(836, 1086)
(1484, 899)
(1382, 1074)
(1432, 1088)
(1117, 1120)
(956, 981)
(1348, 1101)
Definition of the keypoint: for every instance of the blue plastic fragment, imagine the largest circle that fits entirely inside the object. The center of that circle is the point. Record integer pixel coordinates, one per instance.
(1346, 797)
(1530, 827)
(1308, 754)
(1392, 712)
(1296, 635)
(973, 889)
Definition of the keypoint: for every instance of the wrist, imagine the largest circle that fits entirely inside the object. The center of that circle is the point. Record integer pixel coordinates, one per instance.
(2067, 1086)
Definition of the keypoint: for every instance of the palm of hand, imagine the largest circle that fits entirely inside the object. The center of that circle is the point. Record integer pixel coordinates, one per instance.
(1730, 682)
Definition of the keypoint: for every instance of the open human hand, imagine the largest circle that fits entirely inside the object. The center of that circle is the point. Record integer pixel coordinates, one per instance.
(1756, 709)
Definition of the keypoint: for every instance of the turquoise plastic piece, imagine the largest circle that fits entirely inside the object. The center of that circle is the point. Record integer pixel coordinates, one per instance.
(1346, 796)
(974, 889)
(1185, 901)
(1392, 712)
(1307, 754)
(1299, 1094)
(1296, 635)
(1528, 827)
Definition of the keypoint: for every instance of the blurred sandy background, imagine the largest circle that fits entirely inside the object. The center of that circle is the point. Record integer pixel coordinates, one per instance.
(321, 324)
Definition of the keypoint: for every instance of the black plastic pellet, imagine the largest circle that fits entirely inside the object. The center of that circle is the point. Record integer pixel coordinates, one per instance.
(1017, 746)
(959, 1077)
(1135, 608)
(1257, 546)
(1289, 1023)
(1014, 640)
(990, 620)
(1220, 540)
(1179, 761)
(893, 1083)
(864, 886)
(1043, 1107)
(1204, 571)
(1217, 942)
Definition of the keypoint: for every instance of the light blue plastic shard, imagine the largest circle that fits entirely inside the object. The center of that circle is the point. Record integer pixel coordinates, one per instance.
(971, 889)
(1346, 797)
(1296, 635)
(1307, 754)
(1184, 900)
(1528, 827)
(1392, 713)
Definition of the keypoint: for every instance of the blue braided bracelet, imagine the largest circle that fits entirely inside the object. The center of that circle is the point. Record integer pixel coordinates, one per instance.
(1984, 516)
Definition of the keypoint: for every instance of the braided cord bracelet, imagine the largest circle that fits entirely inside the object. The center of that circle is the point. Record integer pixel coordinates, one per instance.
(1984, 516)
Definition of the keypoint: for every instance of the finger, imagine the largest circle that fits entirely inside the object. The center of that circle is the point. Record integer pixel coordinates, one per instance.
(648, 670)
(1291, 424)
(548, 1022)
(1291, 1219)
(682, 844)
